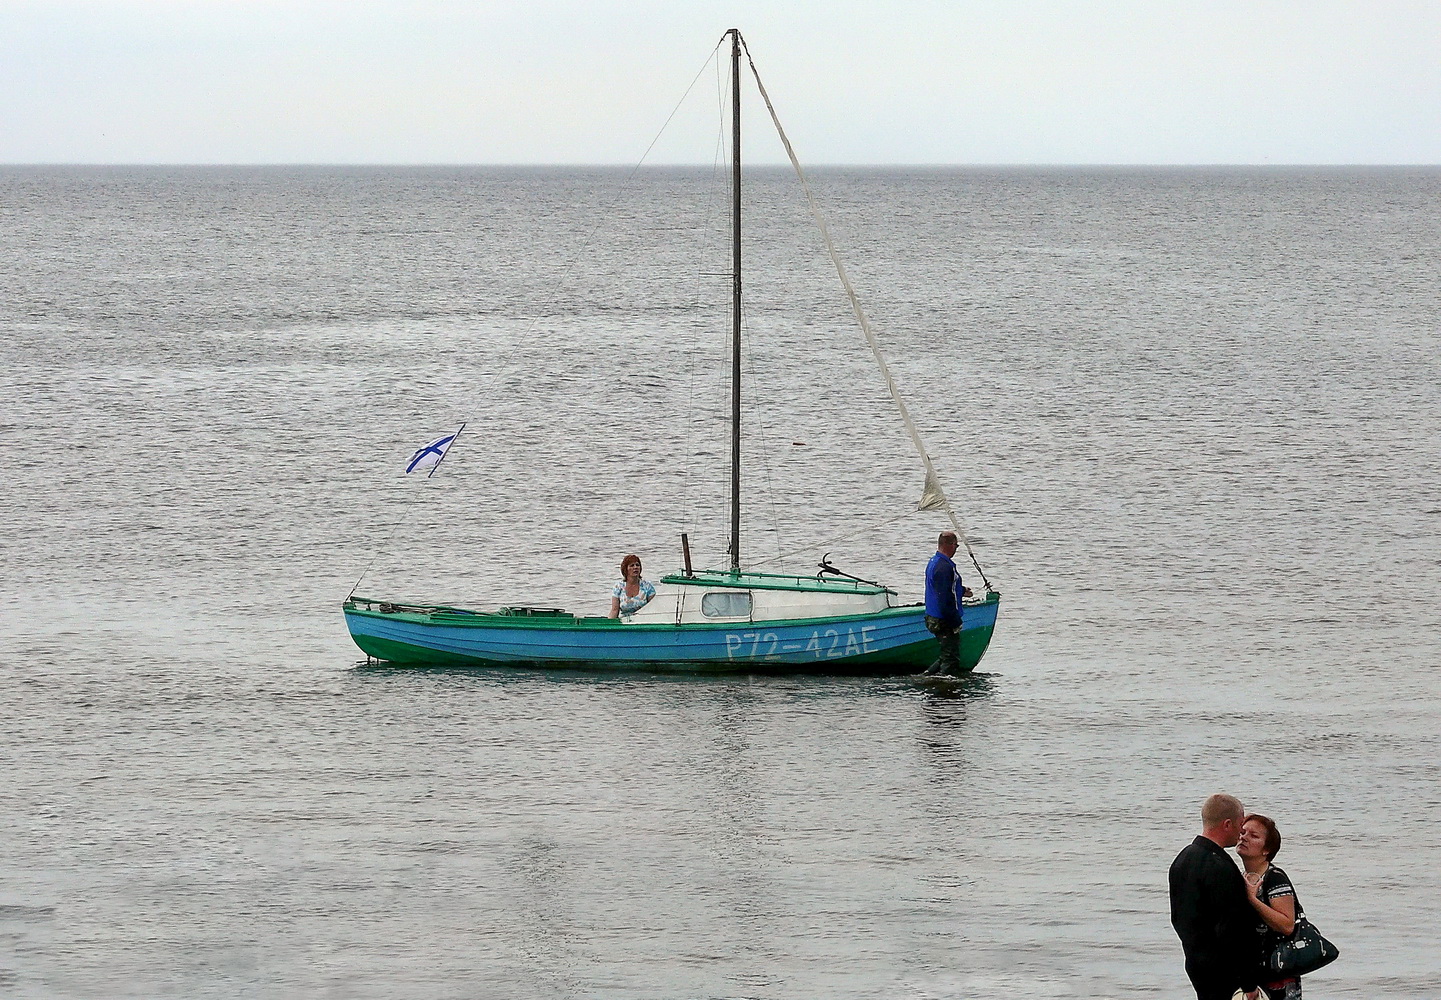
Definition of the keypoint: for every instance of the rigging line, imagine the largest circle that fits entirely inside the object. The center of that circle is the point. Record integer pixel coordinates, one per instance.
(415, 495)
(933, 491)
(758, 416)
(676, 109)
(822, 543)
(525, 335)
(708, 219)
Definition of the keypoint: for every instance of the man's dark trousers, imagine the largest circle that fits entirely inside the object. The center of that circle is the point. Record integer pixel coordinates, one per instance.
(949, 634)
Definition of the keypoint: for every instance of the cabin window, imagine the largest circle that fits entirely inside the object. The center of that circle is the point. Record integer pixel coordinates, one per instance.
(726, 604)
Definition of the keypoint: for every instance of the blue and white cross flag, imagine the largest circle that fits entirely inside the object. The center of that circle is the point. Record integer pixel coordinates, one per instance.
(430, 456)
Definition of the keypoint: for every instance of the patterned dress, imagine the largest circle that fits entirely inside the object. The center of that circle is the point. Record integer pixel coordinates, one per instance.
(630, 605)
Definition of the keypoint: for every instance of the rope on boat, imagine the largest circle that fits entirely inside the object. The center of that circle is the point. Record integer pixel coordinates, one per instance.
(405, 511)
(811, 545)
(933, 497)
(675, 110)
(414, 495)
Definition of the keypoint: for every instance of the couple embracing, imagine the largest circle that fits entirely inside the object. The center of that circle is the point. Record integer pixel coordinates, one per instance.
(1228, 922)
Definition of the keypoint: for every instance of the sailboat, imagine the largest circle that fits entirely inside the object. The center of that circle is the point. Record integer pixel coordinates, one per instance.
(728, 619)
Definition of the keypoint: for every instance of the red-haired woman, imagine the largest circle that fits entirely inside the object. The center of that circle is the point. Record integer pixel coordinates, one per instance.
(630, 593)
(1272, 896)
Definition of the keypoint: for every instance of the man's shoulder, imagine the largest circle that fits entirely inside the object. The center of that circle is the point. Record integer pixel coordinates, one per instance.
(1201, 853)
(1188, 854)
(1199, 845)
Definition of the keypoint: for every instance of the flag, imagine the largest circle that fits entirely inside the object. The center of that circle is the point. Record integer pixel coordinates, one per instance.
(429, 457)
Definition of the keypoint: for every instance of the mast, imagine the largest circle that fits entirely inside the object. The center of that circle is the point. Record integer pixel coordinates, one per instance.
(735, 298)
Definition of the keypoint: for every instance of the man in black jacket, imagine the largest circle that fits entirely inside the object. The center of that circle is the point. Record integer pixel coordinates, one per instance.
(1209, 908)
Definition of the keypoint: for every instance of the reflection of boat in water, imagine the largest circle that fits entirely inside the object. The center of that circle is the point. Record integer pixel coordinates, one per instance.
(702, 620)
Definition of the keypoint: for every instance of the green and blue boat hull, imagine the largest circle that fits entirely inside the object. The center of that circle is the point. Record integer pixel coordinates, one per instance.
(894, 640)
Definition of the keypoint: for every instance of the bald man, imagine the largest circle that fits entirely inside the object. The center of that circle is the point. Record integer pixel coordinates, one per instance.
(1209, 909)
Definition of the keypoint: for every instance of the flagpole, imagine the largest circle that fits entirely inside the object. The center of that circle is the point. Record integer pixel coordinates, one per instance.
(414, 496)
(453, 439)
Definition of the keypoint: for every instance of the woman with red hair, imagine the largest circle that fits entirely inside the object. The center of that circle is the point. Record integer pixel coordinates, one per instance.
(630, 593)
(1272, 896)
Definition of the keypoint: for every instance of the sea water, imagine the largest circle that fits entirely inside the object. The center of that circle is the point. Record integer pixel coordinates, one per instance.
(1189, 417)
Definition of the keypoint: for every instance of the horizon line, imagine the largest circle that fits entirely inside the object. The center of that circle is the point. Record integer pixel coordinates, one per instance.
(998, 165)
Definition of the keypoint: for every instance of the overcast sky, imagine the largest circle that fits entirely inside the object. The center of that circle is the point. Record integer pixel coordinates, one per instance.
(591, 81)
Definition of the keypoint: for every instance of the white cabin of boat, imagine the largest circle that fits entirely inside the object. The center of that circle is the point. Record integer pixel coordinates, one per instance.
(721, 596)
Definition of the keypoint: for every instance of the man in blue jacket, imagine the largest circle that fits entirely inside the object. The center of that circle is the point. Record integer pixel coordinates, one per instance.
(944, 591)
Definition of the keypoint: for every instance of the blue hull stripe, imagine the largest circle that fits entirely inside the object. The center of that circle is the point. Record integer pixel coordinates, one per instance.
(809, 642)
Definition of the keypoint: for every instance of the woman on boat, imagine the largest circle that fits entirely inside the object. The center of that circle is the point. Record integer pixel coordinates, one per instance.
(1272, 896)
(630, 593)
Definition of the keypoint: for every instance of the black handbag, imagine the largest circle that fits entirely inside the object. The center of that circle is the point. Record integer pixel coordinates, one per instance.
(1303, 950)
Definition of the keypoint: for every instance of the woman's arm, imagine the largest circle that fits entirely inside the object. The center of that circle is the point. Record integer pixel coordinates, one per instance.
(615, 607)
(1280, 915)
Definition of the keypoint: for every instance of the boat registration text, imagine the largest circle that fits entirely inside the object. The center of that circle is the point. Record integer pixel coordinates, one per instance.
(823, 644)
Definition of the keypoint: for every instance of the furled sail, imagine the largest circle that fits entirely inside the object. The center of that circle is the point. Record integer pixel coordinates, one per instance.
(933, 497)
